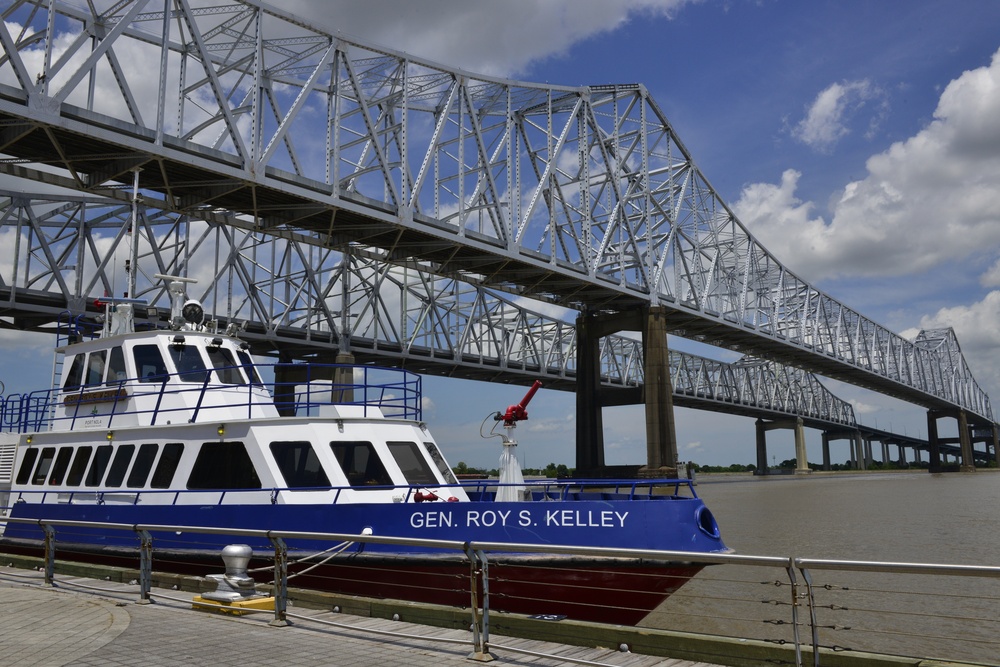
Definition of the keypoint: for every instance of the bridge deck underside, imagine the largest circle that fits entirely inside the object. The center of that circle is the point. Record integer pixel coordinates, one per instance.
(345, 219)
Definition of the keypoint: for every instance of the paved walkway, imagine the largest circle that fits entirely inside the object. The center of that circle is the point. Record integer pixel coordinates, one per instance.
(87, 623)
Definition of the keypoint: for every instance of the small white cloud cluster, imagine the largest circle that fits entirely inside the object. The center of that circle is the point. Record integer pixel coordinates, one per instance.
(926, 201)
(827, 119)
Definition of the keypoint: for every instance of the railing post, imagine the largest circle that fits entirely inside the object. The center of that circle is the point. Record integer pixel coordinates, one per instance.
(280, 582)
(145, 566)
(479, 581)
(812, 614)
(795, 612)
(50, 554)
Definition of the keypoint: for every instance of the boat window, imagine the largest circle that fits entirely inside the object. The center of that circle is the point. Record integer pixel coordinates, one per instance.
(299, 465)
(415, 468)
(440, 463)
(60, 466)
(27, 464)
(80, 462)
(223, 465)
(44, 463)
(75, 376)
(143, 464)
(190, 366)
(99, 465)
(225, 365)
(167, 465)
(249, 367)
(116, 367)
(95, 368)
(149, 365)
(361, 464)
(118, 467)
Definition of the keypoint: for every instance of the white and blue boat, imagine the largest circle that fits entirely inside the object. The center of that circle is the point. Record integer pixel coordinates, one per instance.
(179, 426)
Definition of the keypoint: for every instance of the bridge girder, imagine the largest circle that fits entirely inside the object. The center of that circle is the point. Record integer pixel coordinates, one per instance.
(305, 302)
(580, 196)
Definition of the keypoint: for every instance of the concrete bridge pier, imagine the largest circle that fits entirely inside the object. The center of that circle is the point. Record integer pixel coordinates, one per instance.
(657, 390)
(995, 443)
(859, 449)
(968, 463)
(988, 435)
(934, 445)
(861, 456)
(589, 420)
(965, 457)
(661, 434)
(801, 461)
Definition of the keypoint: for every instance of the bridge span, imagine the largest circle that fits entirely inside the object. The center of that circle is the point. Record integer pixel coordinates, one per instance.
(582, 197)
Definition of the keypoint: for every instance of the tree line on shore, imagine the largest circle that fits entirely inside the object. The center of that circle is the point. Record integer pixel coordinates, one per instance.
(463, 470)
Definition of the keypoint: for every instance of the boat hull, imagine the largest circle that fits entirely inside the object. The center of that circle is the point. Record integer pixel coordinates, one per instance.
(602, 589)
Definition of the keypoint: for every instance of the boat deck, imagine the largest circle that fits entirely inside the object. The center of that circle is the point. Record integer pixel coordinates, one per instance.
(85, 622)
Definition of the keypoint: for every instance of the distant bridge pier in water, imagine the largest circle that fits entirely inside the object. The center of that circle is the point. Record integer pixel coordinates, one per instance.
(656, 392)
(801, 460)
(968, 435)
(858, 458)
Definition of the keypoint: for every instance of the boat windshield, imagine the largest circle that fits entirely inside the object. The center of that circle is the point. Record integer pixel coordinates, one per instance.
(149, 363)
(190, 366)
(361, 464)
(249, 368)
(225, 365)
(414, 466)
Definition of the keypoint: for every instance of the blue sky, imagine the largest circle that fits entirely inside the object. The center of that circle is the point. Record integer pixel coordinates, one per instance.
(859, 141)
(785, 106)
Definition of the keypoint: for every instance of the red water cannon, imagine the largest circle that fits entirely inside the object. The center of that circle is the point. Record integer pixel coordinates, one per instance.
(516, 413)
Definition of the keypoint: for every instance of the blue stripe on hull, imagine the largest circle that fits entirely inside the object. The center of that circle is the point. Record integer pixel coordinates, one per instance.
(667, 524)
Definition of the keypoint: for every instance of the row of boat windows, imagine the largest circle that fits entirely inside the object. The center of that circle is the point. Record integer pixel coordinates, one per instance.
(109, 366)
(222, 465)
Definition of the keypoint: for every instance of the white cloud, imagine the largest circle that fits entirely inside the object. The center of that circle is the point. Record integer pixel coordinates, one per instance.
(977, 327)
(496, 38)
(827, 120)
(926, 201)
(781, 221)
(992, 276)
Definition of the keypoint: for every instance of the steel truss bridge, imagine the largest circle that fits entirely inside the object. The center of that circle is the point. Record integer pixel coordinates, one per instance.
(299, 301)
(580, 197)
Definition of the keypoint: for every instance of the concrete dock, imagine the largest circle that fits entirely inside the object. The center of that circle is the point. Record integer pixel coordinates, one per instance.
(84, 622)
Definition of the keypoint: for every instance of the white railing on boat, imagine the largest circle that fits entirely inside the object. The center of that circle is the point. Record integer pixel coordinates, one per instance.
(300, 390)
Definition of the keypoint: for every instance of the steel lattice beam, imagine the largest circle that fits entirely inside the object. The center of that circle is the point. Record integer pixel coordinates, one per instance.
(580, 196)
(302, 300)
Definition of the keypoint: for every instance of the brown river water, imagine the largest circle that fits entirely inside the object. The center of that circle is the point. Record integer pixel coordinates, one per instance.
(912, 517)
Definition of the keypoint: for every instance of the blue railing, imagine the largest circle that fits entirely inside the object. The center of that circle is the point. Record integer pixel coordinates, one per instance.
(297, 390)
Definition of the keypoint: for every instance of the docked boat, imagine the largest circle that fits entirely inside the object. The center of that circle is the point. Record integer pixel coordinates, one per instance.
(180, 426)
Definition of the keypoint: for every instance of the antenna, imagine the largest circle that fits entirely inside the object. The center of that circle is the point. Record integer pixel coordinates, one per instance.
(131, 264)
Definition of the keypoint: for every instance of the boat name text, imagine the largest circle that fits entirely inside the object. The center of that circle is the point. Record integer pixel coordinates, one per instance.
(523, 518)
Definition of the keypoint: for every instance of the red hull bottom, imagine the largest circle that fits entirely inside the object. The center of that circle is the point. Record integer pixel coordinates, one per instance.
(615, 591)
